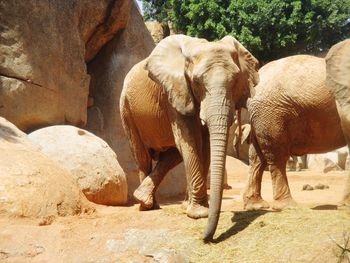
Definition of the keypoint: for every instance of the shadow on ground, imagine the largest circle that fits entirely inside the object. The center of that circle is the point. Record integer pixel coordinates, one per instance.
(240, 220)
(325, 207)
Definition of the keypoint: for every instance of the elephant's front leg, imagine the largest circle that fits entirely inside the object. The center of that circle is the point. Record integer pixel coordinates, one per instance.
(252, 199)
(188, 138)
(145, 193)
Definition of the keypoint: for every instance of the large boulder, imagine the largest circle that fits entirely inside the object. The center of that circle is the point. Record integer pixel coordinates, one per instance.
(32, 185)
(90, 160)
(44, 49)
(108, 70)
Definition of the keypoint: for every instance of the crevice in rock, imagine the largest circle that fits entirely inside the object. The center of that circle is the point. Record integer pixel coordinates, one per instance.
(29, 81)
(20, 79)
(108, 28)
(108, 14)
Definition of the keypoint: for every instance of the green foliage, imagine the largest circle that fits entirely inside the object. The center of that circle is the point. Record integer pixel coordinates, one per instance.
(274, 29)
(270, 29)
(156, 10)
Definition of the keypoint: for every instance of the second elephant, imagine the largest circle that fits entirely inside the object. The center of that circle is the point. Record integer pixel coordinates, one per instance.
(338, 81)
(292, 113)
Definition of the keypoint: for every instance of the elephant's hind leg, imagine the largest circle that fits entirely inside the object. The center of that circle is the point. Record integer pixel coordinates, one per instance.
(145, 193)
(138, 149)
(252, 199)
(281, 192)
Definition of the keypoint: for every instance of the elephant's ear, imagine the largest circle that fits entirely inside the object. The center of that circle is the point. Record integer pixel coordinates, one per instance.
(248, 64)
(166, 66)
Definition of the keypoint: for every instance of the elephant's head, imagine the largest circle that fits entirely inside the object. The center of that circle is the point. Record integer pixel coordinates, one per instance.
(210, 79)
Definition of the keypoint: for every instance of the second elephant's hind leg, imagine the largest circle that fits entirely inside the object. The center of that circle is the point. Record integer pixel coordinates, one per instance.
(145, 193)
(281, 192)
(252, 199)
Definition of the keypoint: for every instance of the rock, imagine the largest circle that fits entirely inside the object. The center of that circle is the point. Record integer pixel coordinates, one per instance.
(307, 187)
(92, 163)
(241, 150)
(321, 186)
(32, 185)
(156, 30)
(327, 162)
(168, 256)
(108, 70)
(44, 49)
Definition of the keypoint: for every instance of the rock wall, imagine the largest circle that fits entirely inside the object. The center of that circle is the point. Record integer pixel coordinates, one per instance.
(44, 48)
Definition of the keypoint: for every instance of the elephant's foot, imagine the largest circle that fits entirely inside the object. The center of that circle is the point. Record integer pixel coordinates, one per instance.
(196, 211)
(154, 207)
(144, 194)
(185, 204)
(284, 203)
(227, 187)
(255, 204)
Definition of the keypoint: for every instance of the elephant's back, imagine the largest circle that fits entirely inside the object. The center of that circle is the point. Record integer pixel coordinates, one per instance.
(293, 78)
(292, 85)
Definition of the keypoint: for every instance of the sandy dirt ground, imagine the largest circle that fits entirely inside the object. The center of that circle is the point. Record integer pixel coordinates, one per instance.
(309, 233)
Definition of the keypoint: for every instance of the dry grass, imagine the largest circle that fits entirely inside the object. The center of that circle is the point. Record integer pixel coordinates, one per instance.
(294, 235)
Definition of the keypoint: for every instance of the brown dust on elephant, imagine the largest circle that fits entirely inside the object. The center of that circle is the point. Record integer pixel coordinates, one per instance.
(338, 81)
(176, 105)
(292, 113)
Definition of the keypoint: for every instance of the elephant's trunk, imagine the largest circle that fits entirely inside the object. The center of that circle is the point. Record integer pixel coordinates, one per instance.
(218, 123)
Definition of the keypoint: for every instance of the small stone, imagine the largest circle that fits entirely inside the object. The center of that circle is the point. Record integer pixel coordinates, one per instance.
(307, 187)
(47, 220)
(321, 186)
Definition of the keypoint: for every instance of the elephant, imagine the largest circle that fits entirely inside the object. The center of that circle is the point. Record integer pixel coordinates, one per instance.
(176, 106)
(338, 81)
(292, 113)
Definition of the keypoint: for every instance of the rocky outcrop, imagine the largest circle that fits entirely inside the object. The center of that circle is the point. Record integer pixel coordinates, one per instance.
(44, 49)
(49, 51)
(327, 162)
(107, 71)
(89, 159)
(32, 185)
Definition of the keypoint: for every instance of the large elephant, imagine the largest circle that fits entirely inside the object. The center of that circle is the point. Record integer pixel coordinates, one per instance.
(174, 101)
(292, 113)
(338, 80)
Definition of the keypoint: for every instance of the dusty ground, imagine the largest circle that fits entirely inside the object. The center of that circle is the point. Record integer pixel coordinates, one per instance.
(308, 233)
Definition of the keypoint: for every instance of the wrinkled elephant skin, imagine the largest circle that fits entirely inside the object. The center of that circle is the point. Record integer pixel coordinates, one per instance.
(292, 113)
